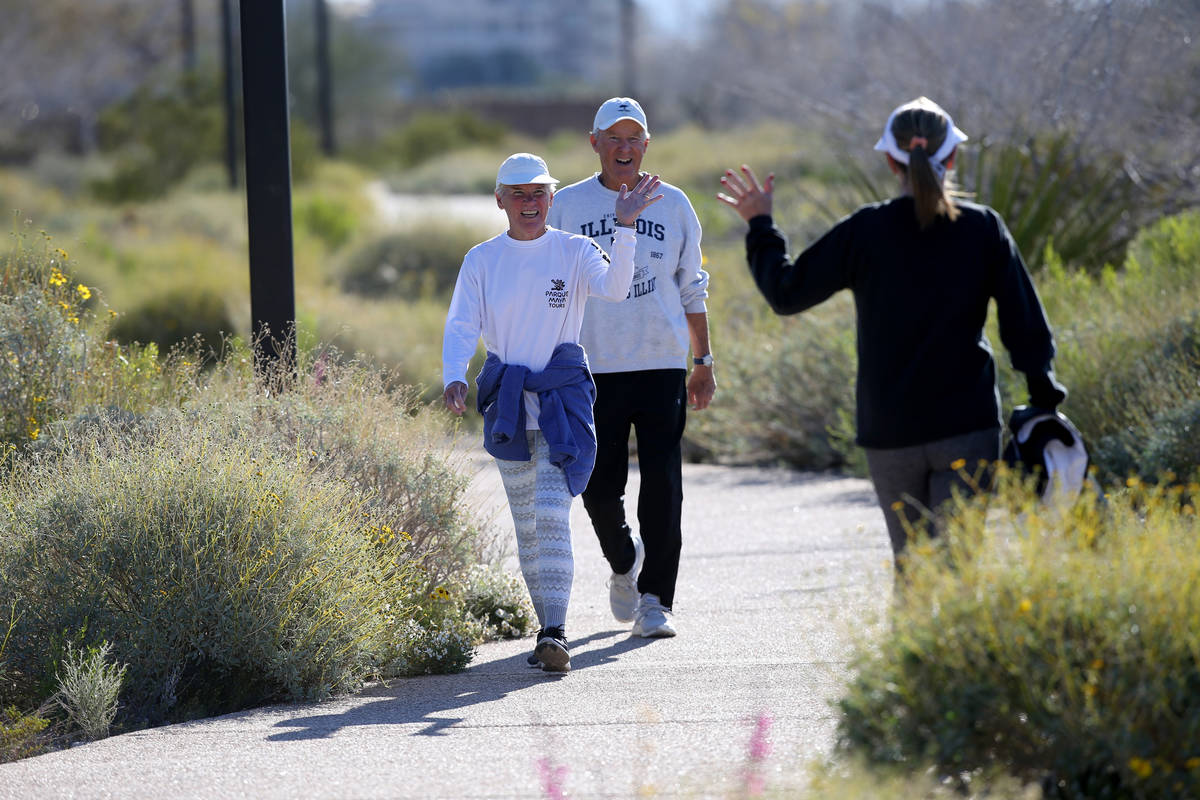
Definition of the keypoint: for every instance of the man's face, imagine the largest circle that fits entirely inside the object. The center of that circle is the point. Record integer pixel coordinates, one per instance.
(526, 205)
(621, 149)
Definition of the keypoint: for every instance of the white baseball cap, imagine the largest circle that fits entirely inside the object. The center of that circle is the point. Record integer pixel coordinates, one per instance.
(616, 109)
(522, 168)
(888, 144)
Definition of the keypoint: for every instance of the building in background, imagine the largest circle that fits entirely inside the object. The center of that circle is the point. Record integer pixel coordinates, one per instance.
(458, 44)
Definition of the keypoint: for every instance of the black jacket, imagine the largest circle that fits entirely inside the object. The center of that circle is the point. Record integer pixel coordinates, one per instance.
(925, 367)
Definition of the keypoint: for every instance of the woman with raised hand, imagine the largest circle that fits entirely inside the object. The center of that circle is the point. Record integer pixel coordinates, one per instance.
(524, 292)
(923, 269)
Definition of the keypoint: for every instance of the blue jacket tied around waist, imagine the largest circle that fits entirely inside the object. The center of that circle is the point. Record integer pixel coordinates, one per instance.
(566, 392)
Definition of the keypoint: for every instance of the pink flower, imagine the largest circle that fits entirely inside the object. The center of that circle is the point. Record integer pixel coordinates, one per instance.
(552, 779)
(753, 782)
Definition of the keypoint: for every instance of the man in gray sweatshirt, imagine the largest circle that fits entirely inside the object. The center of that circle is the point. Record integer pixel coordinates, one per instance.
(639, 355)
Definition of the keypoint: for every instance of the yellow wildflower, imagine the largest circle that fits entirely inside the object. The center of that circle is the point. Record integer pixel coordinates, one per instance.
(958, 463)
(1192, 763)
(56, 277)
(1140, 767)
(84, 291)
(1025, 606)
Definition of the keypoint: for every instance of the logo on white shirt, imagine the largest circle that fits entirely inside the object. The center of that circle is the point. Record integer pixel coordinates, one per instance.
(556, 295)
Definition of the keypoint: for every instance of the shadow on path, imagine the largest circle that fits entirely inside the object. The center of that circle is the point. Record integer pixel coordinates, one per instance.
(424, 700)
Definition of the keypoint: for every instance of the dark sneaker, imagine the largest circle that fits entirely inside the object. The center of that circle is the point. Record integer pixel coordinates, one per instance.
(552, 650)
(532, 659)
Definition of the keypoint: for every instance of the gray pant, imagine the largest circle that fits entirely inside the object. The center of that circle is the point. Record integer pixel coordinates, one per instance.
(912, 482)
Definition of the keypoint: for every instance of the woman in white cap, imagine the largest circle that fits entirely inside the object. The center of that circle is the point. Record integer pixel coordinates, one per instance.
(923, 270)
(524, 292)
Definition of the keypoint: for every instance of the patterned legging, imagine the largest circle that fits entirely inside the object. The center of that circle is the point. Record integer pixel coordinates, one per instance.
(541, 508)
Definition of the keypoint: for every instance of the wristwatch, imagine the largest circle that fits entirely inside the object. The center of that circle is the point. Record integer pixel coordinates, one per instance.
(705, 360)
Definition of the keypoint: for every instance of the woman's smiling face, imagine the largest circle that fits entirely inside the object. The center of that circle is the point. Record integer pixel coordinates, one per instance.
(526, 205)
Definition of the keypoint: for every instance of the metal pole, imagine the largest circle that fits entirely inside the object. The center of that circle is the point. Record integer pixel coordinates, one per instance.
(324, 79)
(187, 35)
(628, 51)
(228, 88)
(268, 181)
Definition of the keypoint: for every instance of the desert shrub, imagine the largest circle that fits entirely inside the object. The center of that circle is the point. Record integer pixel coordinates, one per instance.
(418, 264)
(21, 735)
(88, 688)
(1054, 644)
(783, 382)
(1128, 351)
(224, 573)
(156, 136)
(174, 318)
(432, 648)
(375, 436)
(499, 601)
(42, 342)
(331, 221)
(482, 603)
(431, 133)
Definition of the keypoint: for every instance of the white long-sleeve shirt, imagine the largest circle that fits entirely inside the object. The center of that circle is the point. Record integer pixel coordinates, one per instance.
(527, 297)
(649, 329)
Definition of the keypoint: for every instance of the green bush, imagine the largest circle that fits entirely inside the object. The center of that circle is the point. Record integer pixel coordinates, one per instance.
(21, 735)
(1055, 644)
(220, 569)
(500, 602)
(157, 136)
(782, 384)
(328, 219)
(88, 688)
(43, 345)
(417, 264)
(431, 133)
(1132, 367)
(176, 318)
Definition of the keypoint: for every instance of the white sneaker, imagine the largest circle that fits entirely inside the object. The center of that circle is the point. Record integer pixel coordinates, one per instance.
(652, 622)
(622, 589)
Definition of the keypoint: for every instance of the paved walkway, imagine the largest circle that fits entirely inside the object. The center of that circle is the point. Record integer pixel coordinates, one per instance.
(779, 568)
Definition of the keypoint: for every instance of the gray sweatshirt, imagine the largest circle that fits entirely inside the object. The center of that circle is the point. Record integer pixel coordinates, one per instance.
(648, 329)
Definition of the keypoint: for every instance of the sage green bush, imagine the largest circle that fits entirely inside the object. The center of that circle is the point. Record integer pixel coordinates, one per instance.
(414, 265)
(783, 382)
(431, 133)
(88, 688)
(21, 735)
(217, 568)
(42, 345)
(500, 602)
(177, 317)
(1057, 645)
(1129, 353)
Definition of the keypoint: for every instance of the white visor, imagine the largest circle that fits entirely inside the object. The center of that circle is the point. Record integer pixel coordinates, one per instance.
(887, 142)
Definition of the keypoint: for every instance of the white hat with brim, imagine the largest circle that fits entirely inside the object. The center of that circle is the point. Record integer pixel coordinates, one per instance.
(954, 136)
(616, 109)
(520, 168)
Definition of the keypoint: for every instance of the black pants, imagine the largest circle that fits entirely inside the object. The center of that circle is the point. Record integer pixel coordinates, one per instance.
(654, 403)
